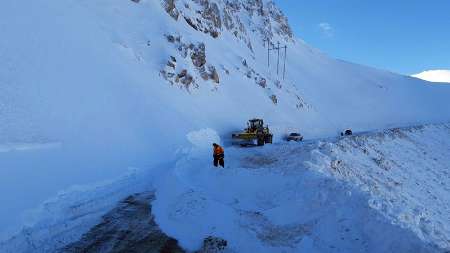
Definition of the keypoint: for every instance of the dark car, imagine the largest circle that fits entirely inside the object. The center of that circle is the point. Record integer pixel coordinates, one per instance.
(347, 132)
(294, 137)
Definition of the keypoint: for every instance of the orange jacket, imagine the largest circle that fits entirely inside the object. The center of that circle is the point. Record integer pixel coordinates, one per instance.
(218, 150)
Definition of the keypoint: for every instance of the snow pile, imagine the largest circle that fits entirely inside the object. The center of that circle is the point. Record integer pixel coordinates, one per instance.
(405, 171)
(203, 138)
(301, 198)
(437, 76)
(66, 217)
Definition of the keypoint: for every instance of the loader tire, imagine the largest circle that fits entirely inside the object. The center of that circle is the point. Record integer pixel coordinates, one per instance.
(260, 142)
(268, 139)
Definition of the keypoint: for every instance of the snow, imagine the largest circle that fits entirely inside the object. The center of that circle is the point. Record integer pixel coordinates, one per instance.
(296, 197)
(436, 76)
(71, 213)
(203, 138)
(286, 197)
(82, 100)
(8, 147)
(406, 173)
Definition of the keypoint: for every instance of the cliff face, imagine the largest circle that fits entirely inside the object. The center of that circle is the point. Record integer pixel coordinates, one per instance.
(214, 17)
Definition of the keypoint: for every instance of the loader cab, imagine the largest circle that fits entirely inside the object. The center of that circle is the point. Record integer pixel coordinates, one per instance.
(255, 124)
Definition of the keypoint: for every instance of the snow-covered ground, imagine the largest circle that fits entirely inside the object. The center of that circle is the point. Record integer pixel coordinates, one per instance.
(380, 192)
(351, 194)
(436, 76)
(89, 89)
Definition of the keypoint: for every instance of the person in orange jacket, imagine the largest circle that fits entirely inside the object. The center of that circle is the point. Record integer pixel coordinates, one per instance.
(219, 155)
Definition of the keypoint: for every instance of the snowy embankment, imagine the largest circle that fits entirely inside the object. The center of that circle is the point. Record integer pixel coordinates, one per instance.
(406, 172)
(375, 192)
(378, 192)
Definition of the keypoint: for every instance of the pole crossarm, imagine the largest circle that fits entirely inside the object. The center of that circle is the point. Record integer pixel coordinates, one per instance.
(277, 48)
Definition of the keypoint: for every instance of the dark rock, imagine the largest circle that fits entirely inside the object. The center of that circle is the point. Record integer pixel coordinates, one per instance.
(189, 21)
(171, 64)
(213, 75)
(262, 82)
(185, 78)
(128, 228)
(170, 38)
(203, 73)
(198, 55)
(214, 34)
(213, 244)
(211, 12)
(274, 99)
(171, 9)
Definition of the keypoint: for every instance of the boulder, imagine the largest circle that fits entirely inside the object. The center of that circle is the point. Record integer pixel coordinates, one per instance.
(213, 244)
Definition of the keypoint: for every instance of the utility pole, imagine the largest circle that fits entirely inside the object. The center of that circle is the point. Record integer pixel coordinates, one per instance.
(268, 51)
(284, 64)
(278, 58)
(278, 48)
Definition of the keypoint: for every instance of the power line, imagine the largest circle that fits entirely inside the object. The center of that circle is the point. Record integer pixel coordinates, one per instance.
(268, 51)
(284, 64)
(278, 48)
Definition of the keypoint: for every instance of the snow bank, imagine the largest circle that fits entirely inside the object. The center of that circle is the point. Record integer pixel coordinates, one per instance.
(405, 171)
(203, 139)
(66, 217)
(280, 198)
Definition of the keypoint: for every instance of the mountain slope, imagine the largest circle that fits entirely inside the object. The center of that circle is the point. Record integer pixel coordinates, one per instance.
(91, 88)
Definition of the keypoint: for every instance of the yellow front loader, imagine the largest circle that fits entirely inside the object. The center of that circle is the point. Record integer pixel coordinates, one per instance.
(255, 132)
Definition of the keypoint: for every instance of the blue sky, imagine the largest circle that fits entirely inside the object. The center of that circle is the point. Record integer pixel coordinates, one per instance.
(404, 36)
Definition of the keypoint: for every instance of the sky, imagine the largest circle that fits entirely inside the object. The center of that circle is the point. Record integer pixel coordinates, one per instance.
(403, 36)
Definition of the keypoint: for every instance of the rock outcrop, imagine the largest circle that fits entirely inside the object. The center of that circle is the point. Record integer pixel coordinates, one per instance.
(193, 55)
(216, 16)
(213, 244)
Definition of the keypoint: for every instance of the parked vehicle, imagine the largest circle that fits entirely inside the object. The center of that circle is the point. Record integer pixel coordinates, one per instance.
(347, 132)
(294, 137)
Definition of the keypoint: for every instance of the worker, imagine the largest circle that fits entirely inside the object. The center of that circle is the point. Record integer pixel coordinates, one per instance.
(219, 155)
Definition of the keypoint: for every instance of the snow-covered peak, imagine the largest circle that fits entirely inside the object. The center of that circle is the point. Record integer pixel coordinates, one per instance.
(437, 76)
